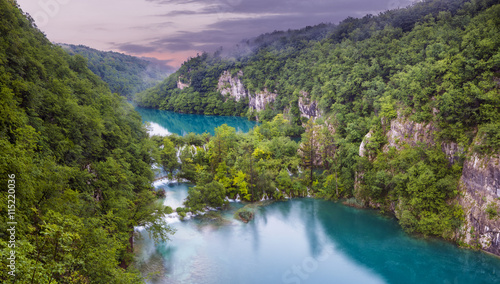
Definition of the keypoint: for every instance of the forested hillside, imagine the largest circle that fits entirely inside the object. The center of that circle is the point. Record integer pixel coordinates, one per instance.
(125, 74)
(401, 111)
(75, 165)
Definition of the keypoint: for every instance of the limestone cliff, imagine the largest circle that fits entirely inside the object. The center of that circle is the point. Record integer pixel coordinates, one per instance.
(479, 187)
(480, 200)
(259, 101)
(308, 108)
(230, 86)
(404, 131)
(366, 140)
(181, 85)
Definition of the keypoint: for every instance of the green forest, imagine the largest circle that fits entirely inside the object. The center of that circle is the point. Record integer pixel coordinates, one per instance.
(80, 162)
(435, 63)
(126, 75)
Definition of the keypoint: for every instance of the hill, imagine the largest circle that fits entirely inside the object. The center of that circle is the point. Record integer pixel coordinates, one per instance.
(75, 165)
(125, 74)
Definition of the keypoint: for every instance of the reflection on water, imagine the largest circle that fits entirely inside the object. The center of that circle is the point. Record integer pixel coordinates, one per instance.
(306, 241)
(164, 122)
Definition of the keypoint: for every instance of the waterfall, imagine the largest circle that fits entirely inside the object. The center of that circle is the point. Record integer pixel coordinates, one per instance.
(195, 150)
(289, 172)
(179, 154)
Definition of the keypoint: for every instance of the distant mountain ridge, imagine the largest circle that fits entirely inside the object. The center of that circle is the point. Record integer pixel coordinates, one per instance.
(125, 74)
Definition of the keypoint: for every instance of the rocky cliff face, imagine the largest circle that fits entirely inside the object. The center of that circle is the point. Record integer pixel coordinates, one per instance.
(181, 85)
(479, 187)
(403, 130)
(259, 101)
(308, 107)
(232, 86)
(366, 140)
(480, 200)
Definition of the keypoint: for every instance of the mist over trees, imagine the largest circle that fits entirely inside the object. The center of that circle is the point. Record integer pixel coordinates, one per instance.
(125, 75)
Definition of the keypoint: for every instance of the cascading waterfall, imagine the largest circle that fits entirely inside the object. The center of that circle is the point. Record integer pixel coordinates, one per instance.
(179, 151)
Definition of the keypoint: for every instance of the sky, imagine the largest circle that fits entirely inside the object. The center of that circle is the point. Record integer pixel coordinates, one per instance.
(173, 30)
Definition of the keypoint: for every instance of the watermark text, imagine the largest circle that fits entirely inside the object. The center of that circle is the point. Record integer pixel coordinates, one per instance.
(11, 223)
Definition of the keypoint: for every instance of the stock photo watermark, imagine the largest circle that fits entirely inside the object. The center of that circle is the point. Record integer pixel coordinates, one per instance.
(11, 223)
(301, 272)
(48, 10)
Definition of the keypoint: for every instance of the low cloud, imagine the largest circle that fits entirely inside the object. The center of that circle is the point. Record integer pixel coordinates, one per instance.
(135, 48)
(239, 19)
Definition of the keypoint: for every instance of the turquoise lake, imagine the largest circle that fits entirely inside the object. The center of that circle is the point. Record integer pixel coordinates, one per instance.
(164, 122)
(299, 241)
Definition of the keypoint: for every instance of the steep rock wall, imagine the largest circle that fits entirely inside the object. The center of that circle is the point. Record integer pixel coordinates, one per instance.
(181, 85)
(308, 108)
(259, 101)
(480, 200)
(366, 140)
(404, 131)
(230, 86)
(233, 87)
(479, 187)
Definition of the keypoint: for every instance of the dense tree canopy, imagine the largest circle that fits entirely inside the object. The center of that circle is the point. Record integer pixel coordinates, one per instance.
(81, 160)
(126, 75)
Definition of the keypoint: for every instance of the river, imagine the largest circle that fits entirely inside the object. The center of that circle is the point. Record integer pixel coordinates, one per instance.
(297, 241)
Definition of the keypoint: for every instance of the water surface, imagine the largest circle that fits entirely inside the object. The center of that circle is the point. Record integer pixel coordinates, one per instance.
(164, 122)
(298, 241)
(306, 241)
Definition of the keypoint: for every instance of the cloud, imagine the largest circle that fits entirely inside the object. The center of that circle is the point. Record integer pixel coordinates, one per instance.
(235, 20)
(135, 48)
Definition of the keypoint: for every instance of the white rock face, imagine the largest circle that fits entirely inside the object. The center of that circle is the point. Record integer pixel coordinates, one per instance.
(181, 85)
(259, 101)
(406, 131)
(308, 108)
(480, 191)
(232, 86)
(366, 140)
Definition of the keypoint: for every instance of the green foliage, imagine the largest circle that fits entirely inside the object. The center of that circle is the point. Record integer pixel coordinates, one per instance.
(168, 156)
(423, 182)
(244, 214)
(82, 162)
(124, 74)
(492, 210)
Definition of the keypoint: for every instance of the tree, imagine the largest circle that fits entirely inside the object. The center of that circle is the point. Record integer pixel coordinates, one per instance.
(309, 147)
(168, 156)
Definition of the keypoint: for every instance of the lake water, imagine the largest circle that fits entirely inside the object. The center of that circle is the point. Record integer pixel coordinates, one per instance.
(301, 241)
(166, 122)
